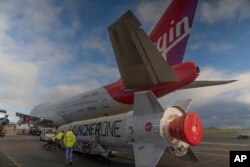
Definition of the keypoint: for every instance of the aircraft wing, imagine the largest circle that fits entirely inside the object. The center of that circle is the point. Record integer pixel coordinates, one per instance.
(25, 118)
(198, 84)
(140, 63)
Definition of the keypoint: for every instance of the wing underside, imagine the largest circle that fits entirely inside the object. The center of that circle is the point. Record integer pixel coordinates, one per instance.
(25, 118)
(198, 84)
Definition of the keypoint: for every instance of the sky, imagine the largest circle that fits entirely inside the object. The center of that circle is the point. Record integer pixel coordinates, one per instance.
(53, 49)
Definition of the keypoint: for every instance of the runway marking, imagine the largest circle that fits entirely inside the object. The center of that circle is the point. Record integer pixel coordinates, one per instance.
(10, 158)
(205, 153)
(17, 164)
(227, 144)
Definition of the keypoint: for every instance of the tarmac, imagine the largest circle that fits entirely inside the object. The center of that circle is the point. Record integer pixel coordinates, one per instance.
(26, 151)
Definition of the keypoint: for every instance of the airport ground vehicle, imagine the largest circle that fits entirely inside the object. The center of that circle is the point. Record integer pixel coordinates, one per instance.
(244, 134)
(35, 131)
(47, 134)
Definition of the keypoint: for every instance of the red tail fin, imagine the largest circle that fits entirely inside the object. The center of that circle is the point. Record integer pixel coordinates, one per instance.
(171, 33)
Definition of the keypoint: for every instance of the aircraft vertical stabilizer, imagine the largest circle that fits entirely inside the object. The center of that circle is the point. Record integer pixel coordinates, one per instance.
(171, 33)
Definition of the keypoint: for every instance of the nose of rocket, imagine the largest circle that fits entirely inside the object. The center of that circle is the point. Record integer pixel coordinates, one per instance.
(187, 128)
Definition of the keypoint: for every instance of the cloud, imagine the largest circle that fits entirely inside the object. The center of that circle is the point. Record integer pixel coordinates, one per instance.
(63, 91)
(26, 50)
(149, 12)
(38, 53)
(92, 70)
(219, 47)
(95, 43)
(224, 113)
(18, 80)
(3, 24)
(222, 105)
(224, 10)
(212, 46)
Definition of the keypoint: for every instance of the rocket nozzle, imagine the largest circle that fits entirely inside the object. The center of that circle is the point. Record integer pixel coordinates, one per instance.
(187, 128)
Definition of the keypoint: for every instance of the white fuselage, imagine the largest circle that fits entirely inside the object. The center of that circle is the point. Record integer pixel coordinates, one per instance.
(87, 105)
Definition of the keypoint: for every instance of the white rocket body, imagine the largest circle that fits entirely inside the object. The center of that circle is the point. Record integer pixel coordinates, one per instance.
(146, 130)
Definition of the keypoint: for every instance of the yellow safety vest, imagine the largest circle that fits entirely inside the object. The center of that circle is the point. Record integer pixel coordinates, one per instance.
(53, 139)
(69, 139)
(59, 136)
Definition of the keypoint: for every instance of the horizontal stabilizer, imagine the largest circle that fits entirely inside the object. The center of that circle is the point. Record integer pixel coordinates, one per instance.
(140, 63)
(198, 84)
(146, 103)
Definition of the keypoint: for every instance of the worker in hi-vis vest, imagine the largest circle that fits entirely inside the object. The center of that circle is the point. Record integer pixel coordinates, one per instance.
(59, 137)
(69, 140)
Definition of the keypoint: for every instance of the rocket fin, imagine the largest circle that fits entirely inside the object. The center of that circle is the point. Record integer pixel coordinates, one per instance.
(183, 104)
(189, 156)
(147, 154)
(146, 103)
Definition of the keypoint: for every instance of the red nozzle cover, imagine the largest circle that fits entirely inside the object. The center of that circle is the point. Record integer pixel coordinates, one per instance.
(187, 128)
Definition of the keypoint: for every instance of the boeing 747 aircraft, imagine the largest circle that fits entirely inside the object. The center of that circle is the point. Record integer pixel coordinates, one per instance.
(146, 63)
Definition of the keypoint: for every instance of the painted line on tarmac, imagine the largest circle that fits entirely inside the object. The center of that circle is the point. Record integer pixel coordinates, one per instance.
(17, 164)
(227, 144)
(212, 154)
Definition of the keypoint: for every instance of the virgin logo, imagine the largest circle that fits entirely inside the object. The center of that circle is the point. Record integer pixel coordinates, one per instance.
(176, 33)
(148, 127)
